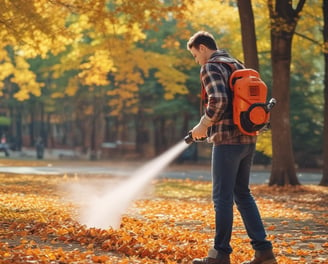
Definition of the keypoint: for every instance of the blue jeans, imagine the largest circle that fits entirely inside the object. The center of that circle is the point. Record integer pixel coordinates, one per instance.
(231, 165)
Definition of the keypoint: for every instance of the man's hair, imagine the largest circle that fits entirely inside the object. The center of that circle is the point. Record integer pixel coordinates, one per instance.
(202, 37)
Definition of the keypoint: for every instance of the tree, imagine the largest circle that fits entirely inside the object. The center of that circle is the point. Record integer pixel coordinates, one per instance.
(248, 34)
(131, 65)
(30, 29)
(284, 19)
(93, 40)
(324, 180)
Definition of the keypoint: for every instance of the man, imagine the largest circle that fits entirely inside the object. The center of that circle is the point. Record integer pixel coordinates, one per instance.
(232, 155)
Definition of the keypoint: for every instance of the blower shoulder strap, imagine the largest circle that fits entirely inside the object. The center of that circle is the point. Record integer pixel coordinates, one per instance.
(231, 63)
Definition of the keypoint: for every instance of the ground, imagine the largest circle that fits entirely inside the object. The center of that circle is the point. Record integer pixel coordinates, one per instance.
(171, 223)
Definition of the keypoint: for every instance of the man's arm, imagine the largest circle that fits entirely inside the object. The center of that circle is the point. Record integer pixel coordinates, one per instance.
(214, 80)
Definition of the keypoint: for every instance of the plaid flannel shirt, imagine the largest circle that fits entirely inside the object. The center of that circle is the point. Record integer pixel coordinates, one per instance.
(218, 102)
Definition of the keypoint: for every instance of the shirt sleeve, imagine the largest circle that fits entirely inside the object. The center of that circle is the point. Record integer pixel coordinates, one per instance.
(214, 78)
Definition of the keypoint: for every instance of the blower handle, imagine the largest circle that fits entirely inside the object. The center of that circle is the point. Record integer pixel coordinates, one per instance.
(189, 139)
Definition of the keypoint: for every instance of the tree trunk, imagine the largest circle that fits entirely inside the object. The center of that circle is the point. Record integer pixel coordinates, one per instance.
(19, 133)
(284, 20)
(324, 180)
(93, 137)
(43, 131)
(142, 136)
(246, 17)
(50, 138)
(185, 124)
(32, 127)
(97, 127)
(160, 140)
(283, 164)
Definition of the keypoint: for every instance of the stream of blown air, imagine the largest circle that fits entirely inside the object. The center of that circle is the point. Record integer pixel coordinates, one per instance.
(106, 210)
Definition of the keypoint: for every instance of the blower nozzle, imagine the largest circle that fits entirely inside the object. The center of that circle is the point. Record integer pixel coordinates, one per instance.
(188, 139)
(271, 104)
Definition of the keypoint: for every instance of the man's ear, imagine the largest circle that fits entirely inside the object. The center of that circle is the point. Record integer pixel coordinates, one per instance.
(202, 48)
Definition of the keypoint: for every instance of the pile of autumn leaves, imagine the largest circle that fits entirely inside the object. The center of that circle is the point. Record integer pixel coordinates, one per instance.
(173, 224)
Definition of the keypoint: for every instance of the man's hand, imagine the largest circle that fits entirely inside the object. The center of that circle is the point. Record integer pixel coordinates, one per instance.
(200, 130)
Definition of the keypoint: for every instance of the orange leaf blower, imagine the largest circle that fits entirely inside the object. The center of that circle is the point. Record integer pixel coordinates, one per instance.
(250, 109)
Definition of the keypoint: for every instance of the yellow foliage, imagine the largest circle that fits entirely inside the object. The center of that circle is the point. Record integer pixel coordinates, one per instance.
(222, 18)
(25, 79)
(97, 38)
(57, 95)
(308, 42)
(72, 87)
(36, 26)
(172, 80)
(222, 13)
(264, 143)
(101, 40)
(6, 69)
(79, 23)
(94, 72)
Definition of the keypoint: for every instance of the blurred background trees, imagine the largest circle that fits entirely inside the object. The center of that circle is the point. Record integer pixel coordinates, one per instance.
(113, 78)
